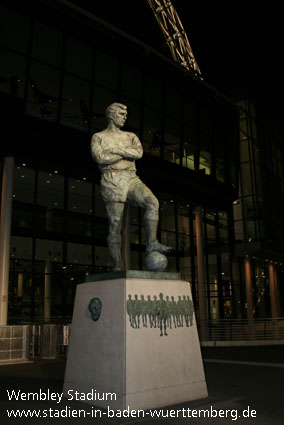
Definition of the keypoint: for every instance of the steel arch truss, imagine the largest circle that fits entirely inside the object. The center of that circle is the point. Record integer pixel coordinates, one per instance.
(175, 34)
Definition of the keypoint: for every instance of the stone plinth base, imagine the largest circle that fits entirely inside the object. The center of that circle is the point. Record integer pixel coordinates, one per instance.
(143, 351)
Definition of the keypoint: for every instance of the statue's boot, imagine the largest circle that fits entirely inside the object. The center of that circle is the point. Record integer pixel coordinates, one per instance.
(157, 246)
(153, 244)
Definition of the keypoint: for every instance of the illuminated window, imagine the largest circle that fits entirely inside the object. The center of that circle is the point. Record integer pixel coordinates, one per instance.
(172, 141)
(21, 248)
(48, 250)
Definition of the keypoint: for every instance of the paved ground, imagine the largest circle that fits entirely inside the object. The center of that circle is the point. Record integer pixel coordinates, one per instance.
(240, 382)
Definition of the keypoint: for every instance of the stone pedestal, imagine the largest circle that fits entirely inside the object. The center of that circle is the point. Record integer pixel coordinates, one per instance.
(143, 351)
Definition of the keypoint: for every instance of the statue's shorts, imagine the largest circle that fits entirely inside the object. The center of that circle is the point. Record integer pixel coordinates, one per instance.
(126, 187)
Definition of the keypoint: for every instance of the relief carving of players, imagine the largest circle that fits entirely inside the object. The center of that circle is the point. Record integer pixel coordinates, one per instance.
(129, 304)
(115, 152)
(143, 311)
(160, 313)
(150, 311)
(168, 312)
(173, 311)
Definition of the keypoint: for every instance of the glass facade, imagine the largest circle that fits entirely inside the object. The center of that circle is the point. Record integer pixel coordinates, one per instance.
(65, 80)
(69, 81)
(59, 229)
(257, 213)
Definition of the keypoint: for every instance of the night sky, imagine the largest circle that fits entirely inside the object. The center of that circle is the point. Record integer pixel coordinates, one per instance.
(239, 44)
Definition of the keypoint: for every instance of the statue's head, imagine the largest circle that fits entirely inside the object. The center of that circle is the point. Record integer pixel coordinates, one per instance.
(117, 112)
(95, 306)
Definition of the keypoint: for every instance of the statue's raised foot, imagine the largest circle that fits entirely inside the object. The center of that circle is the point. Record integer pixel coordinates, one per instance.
(157, 246)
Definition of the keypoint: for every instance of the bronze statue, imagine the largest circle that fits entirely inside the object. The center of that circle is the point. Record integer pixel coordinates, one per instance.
(115, 151)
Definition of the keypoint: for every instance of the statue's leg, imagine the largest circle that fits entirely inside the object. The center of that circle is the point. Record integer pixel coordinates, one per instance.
(140, 195)
(115, 214)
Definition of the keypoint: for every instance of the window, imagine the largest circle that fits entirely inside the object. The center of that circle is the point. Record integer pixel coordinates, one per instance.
(15, 30)
(173, 102)
(79, 253)
(220, 169)
(24, 184)
(102, 99)
(131, 82)
(190, 113)
(184, 240)
(190, 138)
(43, 91)
(167, 210)
(47, 45)
(172, 141)
(79, 58)
(106, 70)
(80, 196)
(50, 190)
(206, 117)
(246, 177)
(211, 227)
(134, 260)
(102, 258)
(13, 72)
(134, 224)
(152, 132)
(50, 198)
(76, 103)
(167, 222)
(21, 248)
(48, 250)
(80, 203)
(153, 93)
(205, 153)
(223, 227)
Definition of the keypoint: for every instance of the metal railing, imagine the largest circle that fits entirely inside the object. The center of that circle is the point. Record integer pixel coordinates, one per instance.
(21, 342)
(242, 330)
(14, 343)
(49, 340)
